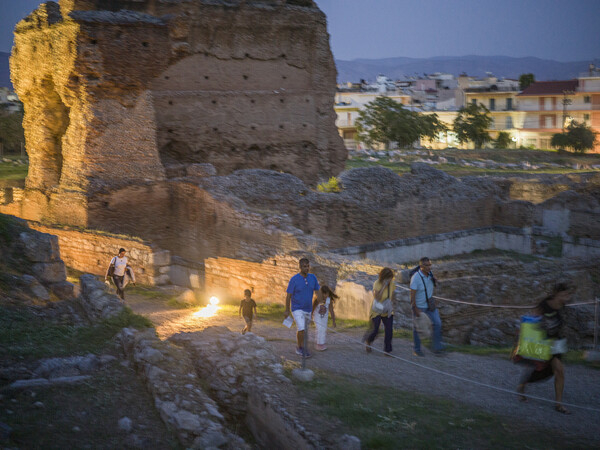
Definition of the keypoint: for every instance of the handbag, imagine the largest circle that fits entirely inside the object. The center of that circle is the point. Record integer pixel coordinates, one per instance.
(382, 307)
(422, 325)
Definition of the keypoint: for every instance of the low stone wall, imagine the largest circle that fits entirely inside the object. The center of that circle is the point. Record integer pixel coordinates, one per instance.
(443, 244)
(91, 252)
(268, 280)
(97, 300)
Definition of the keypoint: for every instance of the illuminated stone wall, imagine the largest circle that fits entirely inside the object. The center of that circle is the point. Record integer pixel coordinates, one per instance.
(91, 252)
(127, 93)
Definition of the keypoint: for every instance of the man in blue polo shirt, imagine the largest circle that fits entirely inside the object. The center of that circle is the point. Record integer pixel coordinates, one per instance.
(422, 284)
(300, 292)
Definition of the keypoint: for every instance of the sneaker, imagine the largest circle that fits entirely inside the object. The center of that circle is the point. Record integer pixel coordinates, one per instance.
(418, 353)
(299, 351)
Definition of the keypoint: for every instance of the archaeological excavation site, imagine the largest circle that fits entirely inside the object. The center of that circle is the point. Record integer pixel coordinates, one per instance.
(194, 133)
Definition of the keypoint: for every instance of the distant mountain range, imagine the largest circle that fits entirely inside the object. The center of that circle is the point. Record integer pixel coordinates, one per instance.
(395, 68)
(500, 66)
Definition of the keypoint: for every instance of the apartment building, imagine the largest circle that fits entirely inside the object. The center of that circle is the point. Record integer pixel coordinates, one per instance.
(501, 100)
(530, 117)
(548, 107)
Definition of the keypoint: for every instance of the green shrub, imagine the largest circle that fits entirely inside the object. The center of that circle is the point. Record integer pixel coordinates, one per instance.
(333, 185)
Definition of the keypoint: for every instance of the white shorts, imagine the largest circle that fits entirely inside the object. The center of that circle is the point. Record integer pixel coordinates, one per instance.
(300, 317)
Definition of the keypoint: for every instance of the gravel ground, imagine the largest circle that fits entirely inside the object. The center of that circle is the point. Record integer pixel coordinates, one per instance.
(346, 355)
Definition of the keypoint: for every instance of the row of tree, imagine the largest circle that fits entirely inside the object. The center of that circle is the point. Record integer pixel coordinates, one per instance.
(385, 121)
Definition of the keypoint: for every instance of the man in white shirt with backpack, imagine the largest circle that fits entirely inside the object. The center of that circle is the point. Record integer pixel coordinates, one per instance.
(118, 270)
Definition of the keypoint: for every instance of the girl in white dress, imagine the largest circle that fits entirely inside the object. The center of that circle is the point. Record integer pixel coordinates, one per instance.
(321, 310)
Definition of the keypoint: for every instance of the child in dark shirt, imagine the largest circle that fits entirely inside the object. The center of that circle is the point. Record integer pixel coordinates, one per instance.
(247, 308)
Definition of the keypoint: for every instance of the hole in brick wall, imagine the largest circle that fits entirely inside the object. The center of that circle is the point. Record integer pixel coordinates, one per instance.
(283, 55)
(252, 101)
(170, 102)
(214, 102)
(93, 42)
(307, 100)
(145, 44)
(303, 125)
(284, 77)
(274, 262)
(280, 100)
(247, 55)
(166, 77)
(119, 35)
(206, 77)
(281, 127)
(245, 77)
(253, 127)
(215, 129)
(169, 131)
(98, 262)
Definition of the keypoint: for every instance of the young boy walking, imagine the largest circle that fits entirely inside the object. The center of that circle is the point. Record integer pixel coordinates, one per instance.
(247, 310)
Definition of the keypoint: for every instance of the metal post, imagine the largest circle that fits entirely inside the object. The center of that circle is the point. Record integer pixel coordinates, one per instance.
(306, 323)
(596, 324)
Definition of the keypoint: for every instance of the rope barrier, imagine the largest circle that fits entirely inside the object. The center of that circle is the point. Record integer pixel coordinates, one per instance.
(458, 377)
(490, 305)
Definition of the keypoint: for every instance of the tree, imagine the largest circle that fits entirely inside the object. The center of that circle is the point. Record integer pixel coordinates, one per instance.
(472, 124)
(11, 130)
(384, 121)
(503, 140)
(525, 80)
(578, 137)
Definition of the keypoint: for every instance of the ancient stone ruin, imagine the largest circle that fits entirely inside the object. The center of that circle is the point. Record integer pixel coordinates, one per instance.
(136, 93)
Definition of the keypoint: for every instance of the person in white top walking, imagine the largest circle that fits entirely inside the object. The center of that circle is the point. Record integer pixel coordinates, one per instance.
(322, 307)
(120, 272)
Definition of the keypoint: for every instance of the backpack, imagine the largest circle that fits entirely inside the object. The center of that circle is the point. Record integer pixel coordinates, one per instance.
(416, 269)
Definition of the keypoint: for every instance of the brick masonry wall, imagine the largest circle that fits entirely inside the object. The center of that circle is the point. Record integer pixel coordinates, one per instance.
(91, 253)
(227, 278)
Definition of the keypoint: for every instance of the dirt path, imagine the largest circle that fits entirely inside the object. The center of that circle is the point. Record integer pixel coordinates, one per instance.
(406, 372)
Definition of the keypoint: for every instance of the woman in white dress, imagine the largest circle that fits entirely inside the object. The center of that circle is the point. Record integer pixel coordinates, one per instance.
(321, 310)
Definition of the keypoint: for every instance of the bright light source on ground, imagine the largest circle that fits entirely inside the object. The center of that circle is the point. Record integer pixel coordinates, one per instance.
(210, 309)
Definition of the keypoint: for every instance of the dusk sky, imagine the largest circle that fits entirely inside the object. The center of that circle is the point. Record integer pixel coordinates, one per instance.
(552, 29)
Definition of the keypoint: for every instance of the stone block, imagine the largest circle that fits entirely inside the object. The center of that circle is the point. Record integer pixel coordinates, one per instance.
(50, 272)
(201, 170)
(63, 290)
(34, 288)
(40, 247)
(161, 280)
(160, 258)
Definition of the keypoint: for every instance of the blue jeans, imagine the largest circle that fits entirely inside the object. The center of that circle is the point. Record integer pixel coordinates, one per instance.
(434, 316)
(388, 325)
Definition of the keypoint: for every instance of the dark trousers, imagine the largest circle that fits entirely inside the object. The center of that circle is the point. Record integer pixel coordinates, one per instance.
(388, 325)
(119, 285)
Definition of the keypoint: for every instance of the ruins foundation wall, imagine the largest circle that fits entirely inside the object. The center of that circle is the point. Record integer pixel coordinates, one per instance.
(90, 252)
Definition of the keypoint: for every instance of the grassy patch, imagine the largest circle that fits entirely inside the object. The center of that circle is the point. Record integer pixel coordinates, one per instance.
(388, 418)
(10, 171)
(26, 335)
(549, 161)
(46, 417)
